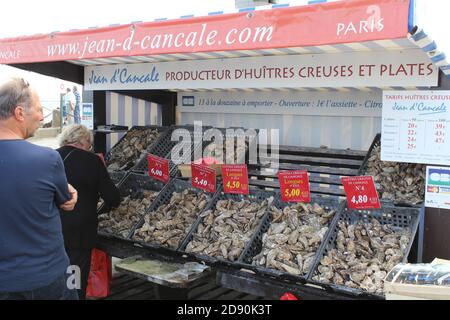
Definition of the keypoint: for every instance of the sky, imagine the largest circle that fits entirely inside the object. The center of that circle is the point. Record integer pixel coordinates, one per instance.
(28, 17)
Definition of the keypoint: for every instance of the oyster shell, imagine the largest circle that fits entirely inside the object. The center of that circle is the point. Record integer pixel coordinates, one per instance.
(365, 254)
(171, 222)
(307, 225)
(400, 182)
(227, 228)
(119, 221)
(131, 149)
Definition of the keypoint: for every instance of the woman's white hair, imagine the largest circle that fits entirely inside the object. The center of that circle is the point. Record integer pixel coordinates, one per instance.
(75, 133)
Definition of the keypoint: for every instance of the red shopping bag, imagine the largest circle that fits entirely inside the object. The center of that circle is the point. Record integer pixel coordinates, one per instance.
(100, 276)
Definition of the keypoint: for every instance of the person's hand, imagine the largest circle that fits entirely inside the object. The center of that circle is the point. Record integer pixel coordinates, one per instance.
(69, 205)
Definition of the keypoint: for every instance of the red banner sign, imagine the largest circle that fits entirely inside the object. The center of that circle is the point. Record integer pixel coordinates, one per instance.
(294, 186)
(158, 168)
(203, 178)
(235, 178)
(361, 193)
(313, 25)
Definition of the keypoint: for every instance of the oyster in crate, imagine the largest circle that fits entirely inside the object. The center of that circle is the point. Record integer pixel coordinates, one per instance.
(229, 151)
(363, 255)
(169, 224)
(401, 182)
(131, 148)
(225, 230)
(119, 221)
(293, 238)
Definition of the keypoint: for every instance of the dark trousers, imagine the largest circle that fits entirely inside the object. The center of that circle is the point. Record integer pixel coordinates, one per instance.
(82, 259)
(57, 290)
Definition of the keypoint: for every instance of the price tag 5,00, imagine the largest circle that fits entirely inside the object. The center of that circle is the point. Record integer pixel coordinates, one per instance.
(203, 178)
(361, 193)
(294, 186)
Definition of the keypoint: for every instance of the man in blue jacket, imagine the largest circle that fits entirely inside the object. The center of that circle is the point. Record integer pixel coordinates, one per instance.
(33, 186)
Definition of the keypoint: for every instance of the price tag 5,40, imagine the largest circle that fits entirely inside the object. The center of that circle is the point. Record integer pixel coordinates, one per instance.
(158, 168)
(203, 178)
(361, 193)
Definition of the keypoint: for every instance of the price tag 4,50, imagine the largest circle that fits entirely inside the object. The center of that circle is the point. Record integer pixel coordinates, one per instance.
(235, 178)
(294, 186)
(203, 178)
(158, 168)
(361, 193)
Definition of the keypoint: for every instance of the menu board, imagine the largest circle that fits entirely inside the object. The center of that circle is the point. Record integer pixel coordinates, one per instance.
(416, 127)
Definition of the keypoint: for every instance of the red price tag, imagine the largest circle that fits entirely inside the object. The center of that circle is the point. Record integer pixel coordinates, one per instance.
(361, 193)
(294, 186)
(235, 178)
(158, 168)
(203, 178)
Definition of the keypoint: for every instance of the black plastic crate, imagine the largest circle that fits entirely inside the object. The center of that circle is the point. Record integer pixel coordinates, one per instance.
(255, 195)
(132, 185)
(255, 246)
(243, 158)
(163, 148)
(375, 143)
(364, 168)
(161, 130)
(175, 185)
(117, 177)
(398, 217)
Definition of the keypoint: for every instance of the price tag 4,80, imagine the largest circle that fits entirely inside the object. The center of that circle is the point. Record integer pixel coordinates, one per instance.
(158, 168)
(361, 193)
(203, 178)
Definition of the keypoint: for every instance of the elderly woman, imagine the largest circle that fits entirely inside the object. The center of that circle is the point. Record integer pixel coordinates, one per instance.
(88, 174)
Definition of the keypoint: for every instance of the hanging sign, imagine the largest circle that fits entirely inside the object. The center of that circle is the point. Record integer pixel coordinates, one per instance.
(333, 70)
(361, 193)
(294, 186)
(158, 168)
(203, 178)
(235, 179)
(416, 127)
(327, 104)
(437, 190)
(313, 25)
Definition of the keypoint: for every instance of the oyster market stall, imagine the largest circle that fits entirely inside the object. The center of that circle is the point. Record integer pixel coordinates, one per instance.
(322, 89)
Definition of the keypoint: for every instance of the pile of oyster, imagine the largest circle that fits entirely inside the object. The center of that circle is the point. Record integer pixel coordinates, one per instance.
(119, 221)
(170, 223)
(364, 254)
(293, 238)
(225, 230)
(400, 182)
(238, 155)
(131, 148)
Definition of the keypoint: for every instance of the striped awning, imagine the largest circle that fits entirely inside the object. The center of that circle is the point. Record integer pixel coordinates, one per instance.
(400, 34)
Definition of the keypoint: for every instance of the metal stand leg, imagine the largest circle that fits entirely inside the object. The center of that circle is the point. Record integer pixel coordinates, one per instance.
(421, 235)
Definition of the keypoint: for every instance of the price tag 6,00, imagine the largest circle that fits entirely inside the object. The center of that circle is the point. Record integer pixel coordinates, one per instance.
(203, 178)
(361, 193)
(158, 168)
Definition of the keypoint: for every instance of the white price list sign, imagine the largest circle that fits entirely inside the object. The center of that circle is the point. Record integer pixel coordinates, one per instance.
(416, 127)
